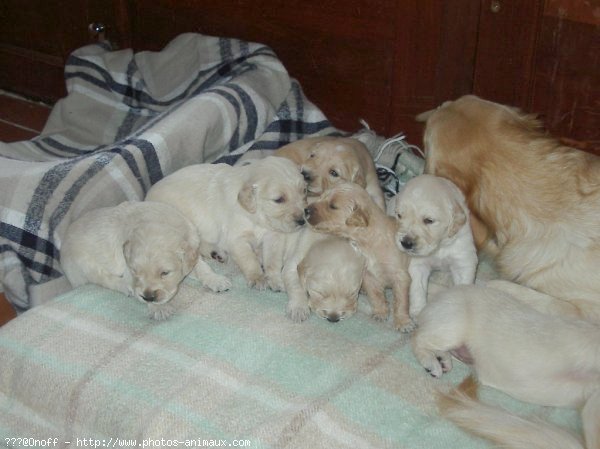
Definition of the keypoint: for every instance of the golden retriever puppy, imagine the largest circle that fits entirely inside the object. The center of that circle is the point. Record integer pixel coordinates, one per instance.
(327, 161)
(233, 207)
(535, 357)
(348, 211)
(142, 249)
(319, 272)
(433, 228)
(331, 274)
(535, 203)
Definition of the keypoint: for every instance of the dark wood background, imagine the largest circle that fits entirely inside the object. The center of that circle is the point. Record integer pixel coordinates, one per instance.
(380, 60)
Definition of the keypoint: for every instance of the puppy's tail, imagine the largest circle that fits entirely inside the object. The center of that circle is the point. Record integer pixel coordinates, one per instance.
(500, 426)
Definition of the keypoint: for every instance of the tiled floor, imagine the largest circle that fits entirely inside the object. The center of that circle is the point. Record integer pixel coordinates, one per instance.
(19, 120)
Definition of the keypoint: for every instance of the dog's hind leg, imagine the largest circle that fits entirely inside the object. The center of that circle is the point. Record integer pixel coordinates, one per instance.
(440, 330)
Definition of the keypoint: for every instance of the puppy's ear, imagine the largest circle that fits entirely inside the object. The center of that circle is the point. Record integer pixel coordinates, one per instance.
(358, 218)
(459, 218)
(189, 256)
(247, 197)
(127, 249)
(358, 177)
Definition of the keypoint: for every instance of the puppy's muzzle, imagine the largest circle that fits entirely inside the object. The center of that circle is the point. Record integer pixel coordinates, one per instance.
(309, 215)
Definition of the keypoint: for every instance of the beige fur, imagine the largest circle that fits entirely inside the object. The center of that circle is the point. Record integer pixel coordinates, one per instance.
(533, 356)
(142, 249)
(319, 273)
(433, 228)
(348, 211)
(327, 161)
(233, 207)
(535, 203)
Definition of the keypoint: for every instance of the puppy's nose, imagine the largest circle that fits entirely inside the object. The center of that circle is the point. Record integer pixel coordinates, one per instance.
(333, 318)
(300, 221)
(306, 174)
(307, 212)
(149, 296)
(407, 243)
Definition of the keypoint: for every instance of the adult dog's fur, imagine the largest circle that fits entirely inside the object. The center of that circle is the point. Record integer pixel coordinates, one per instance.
(348, 211)
(319, 272)
(535, 203)
(233, 207)
(533, 356)
(327, 161)
(433, 228)
(142, 249)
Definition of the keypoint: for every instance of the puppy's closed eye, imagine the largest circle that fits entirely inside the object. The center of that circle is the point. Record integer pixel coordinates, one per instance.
(279, 200)
(428, 220)
(334, 173)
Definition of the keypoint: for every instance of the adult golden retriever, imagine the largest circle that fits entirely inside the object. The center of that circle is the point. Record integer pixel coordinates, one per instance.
(535, 203)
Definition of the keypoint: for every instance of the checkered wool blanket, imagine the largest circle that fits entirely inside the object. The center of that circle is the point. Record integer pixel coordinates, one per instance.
(128, 120)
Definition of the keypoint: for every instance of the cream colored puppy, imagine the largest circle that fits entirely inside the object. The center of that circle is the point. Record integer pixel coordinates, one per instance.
(533, 356)
(233, 207)
(348, 211)
(142, 249)
(326, 161)
(331, 274)
(433, 228)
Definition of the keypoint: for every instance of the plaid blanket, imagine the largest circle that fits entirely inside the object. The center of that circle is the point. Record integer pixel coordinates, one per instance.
(128, 120)
(91, 366)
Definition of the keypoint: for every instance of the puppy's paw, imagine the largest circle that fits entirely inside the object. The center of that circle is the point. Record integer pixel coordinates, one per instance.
(219, 256)
(432, 365)
(258, 282)
(160, 312)
(380, 315)
(404, 324)
(275, 283)
(217, 282)
(297, 313)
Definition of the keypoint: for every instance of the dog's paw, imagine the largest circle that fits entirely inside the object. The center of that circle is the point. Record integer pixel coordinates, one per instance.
(404, 324)
(219, 256)
(298, 313)
(217, 282)
(436, 364)
(258, 282)
(160, 312)
(276, 283)
(380, 315)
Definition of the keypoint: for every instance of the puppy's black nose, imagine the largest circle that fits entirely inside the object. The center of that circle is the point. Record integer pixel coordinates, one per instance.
(149, 296)
(306, 174)
(300, 221)
(407, 243)
(307, 212)
(333, 318)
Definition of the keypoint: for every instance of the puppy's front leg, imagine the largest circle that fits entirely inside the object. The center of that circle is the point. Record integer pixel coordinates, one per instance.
(245, 258)
(273, 249)
(376, 294)
(400, 288)
(210, 279)
(419, 275)
(463, 270)
(297, 306)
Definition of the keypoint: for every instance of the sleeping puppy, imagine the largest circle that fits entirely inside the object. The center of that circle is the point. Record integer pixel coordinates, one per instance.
(319, 272)
(331, 274)
(433, 228)
(233, 207)
(533, 356)
(142, 249)
(348, 211)
(326, 161)
(535, 203)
